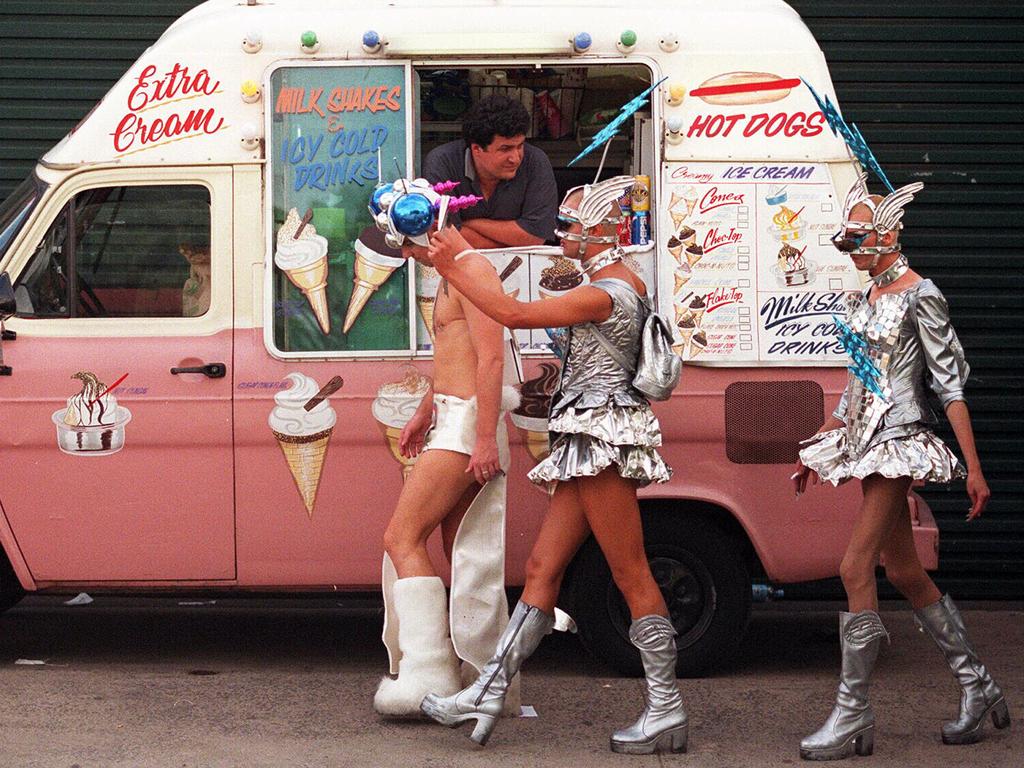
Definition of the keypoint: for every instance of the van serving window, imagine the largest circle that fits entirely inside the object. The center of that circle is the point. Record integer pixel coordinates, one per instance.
(335, 285)
(131, 251)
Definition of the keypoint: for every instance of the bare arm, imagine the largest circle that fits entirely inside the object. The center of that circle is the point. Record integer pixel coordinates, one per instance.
(475, 279)
(477, 240)
(410, 442)
(960, 419)
(487, 339)
(503, 232)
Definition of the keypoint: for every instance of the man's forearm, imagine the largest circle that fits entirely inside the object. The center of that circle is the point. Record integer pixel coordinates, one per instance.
(477, 240)
(501, 231)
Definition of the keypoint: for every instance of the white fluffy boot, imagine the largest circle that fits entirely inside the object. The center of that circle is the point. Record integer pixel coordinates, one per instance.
(428, 663)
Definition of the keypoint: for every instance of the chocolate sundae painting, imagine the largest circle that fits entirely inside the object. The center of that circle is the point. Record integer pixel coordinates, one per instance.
(92, 423)
(559, 277)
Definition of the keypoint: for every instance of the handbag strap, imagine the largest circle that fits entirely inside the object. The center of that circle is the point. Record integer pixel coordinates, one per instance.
(617, 356)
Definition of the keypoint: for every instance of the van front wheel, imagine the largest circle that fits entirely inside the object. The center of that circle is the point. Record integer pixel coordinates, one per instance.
(702, 576)
(10, 588)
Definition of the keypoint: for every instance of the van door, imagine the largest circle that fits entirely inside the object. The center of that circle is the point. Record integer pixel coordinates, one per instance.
(117, 426)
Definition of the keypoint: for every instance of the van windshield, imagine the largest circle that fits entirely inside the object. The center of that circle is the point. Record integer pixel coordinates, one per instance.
(15, 209)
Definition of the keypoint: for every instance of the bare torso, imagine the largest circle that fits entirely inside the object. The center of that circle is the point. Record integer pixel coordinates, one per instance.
(454, 355)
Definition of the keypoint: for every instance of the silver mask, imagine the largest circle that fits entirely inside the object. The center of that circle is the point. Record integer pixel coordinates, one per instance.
(885, 218)
(593, 211)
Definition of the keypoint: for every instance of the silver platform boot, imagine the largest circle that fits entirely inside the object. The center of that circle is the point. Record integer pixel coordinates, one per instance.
(483, 700)
(851, 726)
(980, 696)
(662, 726)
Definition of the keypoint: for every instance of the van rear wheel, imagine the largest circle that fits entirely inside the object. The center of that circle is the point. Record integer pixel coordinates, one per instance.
(703, 577)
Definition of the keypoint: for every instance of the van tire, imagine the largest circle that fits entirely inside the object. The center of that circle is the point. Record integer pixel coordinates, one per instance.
(11, 590)
(704, 578)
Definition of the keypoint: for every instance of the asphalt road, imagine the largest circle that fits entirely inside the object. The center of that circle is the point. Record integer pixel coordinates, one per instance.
(146, 682)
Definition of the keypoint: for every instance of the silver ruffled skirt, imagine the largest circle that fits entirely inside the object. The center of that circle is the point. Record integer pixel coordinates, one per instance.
(586, 441)
(921, 456)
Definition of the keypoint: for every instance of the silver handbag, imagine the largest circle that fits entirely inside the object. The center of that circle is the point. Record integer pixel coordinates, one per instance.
(657, 369)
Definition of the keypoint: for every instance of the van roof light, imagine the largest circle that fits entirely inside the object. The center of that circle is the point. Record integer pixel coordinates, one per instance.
(253, 41)
(309, 42)
(372, 41)
(627, 41)
(581, 42)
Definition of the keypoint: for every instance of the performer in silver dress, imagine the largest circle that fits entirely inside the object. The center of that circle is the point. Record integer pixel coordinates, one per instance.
(900, 341)
(604, 438)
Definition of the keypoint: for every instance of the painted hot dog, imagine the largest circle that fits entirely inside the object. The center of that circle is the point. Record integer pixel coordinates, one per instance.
(737, 88)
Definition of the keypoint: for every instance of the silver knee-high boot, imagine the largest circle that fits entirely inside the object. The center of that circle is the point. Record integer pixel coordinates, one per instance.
(851, 726)
(662, 726)
(980, 696)
(483, 700)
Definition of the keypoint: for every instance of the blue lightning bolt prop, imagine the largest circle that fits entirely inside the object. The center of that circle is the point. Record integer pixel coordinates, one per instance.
(626, 111)
(856, 346)
(851, 135)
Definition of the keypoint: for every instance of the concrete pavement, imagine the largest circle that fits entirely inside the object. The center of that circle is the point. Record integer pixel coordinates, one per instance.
(288, 682)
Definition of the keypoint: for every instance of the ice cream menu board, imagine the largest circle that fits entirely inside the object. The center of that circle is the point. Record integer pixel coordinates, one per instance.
(337, 287)
(753, 274)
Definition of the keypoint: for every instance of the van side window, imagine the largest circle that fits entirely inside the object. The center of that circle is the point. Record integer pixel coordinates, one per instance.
(132, 251)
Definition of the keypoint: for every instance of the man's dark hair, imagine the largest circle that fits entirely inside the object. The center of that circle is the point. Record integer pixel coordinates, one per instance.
(494, 116)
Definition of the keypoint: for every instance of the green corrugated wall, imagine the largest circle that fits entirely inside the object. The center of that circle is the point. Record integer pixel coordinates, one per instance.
(936, 87)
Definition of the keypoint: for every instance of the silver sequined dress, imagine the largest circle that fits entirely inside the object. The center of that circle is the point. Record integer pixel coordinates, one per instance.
(597, 418)
(911, 345)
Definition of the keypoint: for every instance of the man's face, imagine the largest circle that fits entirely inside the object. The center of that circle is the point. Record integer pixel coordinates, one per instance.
(864, 237)
(501, 158)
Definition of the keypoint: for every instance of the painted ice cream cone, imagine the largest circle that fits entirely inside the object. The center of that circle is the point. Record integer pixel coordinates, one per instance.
(302, 255)
(678, 217)
(425, 304)
(303, 434)
(685, 326)
(375, 262)
(675, 247)
(675, 200)
(698, 307)
(427, 282)
(694, 253)
(395, 404)
(690, 199)
(698, 343)
(312, 281)
(681, 279)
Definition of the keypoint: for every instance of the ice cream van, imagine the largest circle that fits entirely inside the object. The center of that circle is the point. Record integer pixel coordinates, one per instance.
(195, 264)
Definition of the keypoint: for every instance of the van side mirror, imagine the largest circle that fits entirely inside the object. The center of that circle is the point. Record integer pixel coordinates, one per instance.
(8, 304)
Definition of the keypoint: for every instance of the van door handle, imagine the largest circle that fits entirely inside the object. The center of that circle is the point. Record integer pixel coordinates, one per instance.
(210, 370)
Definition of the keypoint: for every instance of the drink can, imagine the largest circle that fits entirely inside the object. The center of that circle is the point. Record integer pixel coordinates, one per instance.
(641, 194)
(641, 228)
(625, 229)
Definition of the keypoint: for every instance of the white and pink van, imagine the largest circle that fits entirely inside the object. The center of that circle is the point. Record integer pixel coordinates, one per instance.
(190, 268)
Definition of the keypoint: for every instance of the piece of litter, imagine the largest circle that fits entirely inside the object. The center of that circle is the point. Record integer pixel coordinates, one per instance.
(81, 598)
(30, 662)
(527, 711)
(606, 686)
(197, 602)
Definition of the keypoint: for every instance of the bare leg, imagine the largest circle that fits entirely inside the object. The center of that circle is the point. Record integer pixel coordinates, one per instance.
(884, 501)
(609, 501)
(902, 567)
(451, 522)
(563, 531)
(437, 482)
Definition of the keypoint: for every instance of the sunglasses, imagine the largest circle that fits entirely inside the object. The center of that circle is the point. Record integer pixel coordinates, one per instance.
(849, 243)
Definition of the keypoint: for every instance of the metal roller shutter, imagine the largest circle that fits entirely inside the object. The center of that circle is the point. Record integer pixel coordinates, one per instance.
(936, 89)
